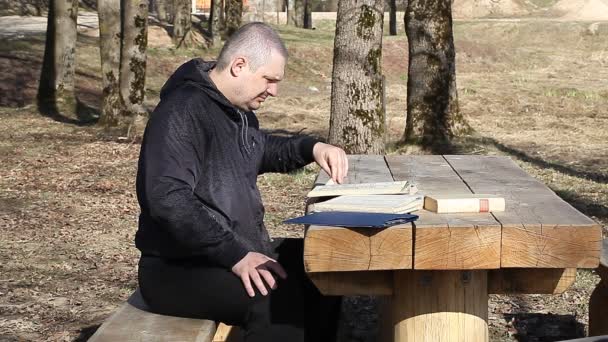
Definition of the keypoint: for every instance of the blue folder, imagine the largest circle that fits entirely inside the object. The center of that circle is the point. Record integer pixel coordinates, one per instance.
(353, 219)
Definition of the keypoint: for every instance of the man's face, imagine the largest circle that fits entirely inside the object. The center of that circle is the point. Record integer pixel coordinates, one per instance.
(256, 86)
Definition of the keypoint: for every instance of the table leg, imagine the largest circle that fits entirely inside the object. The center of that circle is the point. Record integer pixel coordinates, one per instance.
(440, 306)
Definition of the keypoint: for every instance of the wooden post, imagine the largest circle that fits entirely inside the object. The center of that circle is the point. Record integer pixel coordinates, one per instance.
(440, 306)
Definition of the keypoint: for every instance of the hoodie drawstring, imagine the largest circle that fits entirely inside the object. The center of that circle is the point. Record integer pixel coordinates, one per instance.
(244, 131)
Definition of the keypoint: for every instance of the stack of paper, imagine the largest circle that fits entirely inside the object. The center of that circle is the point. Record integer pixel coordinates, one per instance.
(393, 204)
(384, 188)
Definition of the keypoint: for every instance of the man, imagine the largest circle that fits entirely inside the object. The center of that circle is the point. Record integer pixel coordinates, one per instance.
(205, 250)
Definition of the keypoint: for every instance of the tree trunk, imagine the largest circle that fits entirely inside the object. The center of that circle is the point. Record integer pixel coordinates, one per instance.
(112, 108)
(432, 99)
(161, 10)
(133, 57)
(299, 9)
(215, 23)
(222, 17)
(307, 19)
(392, 20)
(56, 89)
(234, 13)
(291, 12)
(182, 24)
(357, 120)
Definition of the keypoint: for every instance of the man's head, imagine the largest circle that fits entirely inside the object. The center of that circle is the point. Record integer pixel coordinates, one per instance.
(250, 65)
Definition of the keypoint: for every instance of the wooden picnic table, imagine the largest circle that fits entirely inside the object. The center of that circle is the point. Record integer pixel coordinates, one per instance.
(438, 271)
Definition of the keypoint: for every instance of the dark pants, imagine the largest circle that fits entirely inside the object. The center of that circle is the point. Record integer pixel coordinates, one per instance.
(193, 288)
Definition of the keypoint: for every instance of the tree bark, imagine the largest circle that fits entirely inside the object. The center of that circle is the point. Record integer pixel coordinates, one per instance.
(112, 107)
(299, 10)
(161, 11)
(307, 19)
(432, 99)
(56, 94)
(182, 24)
(215, 23)
(392, 20)
(291, 12)
(357, 120)
(234, 14)
(133, 57)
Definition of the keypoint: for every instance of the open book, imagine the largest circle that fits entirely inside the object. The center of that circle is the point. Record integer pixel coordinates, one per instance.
(383, 188)
(392, 204)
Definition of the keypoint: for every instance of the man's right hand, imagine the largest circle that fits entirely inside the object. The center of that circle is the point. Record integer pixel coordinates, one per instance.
(253, 268)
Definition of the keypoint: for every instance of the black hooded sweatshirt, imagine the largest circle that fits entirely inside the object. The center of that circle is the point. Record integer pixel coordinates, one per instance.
(197, 172)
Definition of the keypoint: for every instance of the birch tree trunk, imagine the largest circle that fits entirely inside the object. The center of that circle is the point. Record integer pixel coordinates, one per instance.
(56, 88)
(392, 19)
(357, 120)
(432, 99)
(234, 14)
(112, 107)
(133, 57)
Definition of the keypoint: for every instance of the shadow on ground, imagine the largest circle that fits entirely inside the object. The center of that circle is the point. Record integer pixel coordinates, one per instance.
(533, 327)
(86, 333)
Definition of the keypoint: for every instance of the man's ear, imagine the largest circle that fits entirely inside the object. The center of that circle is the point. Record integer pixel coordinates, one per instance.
(238, 65)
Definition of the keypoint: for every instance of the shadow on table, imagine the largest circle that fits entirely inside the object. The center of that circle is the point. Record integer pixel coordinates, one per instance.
(598, 177)
(470, 145)
(533, 327)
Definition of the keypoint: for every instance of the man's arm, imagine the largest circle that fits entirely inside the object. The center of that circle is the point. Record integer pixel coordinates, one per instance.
(284, 154)
(168, 173)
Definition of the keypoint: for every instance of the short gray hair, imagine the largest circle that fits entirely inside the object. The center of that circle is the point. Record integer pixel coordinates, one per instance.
(254, 41)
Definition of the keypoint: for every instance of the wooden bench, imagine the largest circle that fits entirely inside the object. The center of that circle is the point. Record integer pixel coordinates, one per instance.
(598, 304)
(134, 322)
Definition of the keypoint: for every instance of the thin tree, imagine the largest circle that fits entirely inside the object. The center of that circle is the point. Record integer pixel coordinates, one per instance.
(432, 99)
(161, 11)
(392, 17)
(299, 12)
(307, 19)
(133, 56)
(234, 15)
(291, 12)
(357, 120)
(110, 42)
(56, 94)
(215, 23)
(183, 35)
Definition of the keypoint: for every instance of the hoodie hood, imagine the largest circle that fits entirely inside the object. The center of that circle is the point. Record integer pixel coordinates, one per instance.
(196, 72)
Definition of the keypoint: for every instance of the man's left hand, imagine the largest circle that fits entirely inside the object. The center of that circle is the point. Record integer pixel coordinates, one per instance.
(332, 159)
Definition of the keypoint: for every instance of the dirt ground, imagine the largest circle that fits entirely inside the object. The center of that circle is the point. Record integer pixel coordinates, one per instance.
(532, 90)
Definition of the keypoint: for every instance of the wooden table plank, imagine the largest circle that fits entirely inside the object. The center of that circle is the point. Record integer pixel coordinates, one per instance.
(447, 241)
(539, 228)
(346, 249)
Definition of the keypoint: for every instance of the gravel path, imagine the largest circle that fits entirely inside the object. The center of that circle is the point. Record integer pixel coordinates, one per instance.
(14, 26)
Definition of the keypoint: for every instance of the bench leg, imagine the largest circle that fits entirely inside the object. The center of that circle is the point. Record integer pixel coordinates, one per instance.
(598, 305)
(440, 306)
(227, 333)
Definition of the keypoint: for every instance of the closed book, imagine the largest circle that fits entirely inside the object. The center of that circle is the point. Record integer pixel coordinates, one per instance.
(464, 203)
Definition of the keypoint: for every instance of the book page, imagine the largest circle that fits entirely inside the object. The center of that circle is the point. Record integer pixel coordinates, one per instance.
(360, 189)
